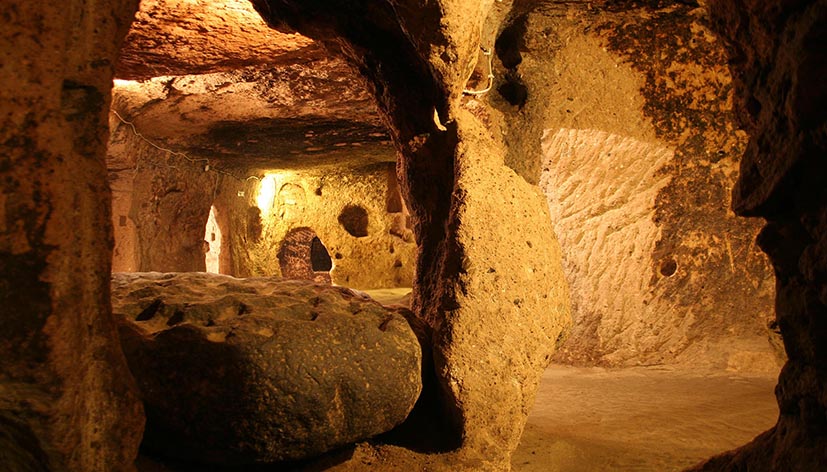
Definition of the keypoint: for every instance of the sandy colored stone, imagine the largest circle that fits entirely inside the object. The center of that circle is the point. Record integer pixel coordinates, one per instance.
(646, 419)
(66, 395)
(474, 290)
(296, 114)
(169, 207)
(182, 144)
(782, 104)
(175, 37)
(384, 257)
(627, 122)
(162, 203)
(511, 280)
(62, 371)
(242, 371)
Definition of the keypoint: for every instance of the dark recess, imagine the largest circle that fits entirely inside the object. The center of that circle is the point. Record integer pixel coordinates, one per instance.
(319, 257)
(668, 268)
(354, 219)
(507, 47)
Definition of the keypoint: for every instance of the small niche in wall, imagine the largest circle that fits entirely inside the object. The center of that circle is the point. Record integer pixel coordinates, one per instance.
(393, 199)
(290, 201)
(354, 219)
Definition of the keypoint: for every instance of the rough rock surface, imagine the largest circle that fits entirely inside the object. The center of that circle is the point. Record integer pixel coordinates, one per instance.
(180, 144)
(497, 312)
(161, 204)
(626, 118)
(382, 256)
(236, 371)
(169, 204)
(304, 114)
(509, 279)
(176, 37)
(64, 382)
(779, 62)
(66, 396)
(301, 253)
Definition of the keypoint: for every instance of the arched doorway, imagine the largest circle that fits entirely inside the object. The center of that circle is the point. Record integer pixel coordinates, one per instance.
(212, 246)
(303, 256)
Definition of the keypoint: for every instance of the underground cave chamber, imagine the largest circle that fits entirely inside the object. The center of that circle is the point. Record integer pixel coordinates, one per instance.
(283, 193)
(283, 177)
(612, 130)
(311, 192)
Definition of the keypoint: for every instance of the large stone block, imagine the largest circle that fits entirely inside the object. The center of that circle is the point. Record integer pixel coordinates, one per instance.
(236, 371)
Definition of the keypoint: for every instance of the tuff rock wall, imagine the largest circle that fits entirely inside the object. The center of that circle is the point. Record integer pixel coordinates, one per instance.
(160, 205)
(623, 113)
(161, 202)
(67, 400)
(356, 212)
(777, 59)
(467, 283)
(474, 271)
(68, 403)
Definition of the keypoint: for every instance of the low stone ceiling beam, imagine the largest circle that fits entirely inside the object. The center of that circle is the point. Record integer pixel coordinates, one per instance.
(178, 37)
(292, 116)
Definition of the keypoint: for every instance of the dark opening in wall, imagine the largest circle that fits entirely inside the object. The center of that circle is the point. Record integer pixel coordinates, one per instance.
(354, 219)
(212, 243)
(507, 47)
(319, 257)
(668, 268)
(303, 256)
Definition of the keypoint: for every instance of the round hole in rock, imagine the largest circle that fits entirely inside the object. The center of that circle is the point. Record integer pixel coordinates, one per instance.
(354, 219)
(668, 268)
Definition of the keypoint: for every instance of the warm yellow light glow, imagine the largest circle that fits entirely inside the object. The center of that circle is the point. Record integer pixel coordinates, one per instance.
(124, 83)
(266, 193)
(213, 240)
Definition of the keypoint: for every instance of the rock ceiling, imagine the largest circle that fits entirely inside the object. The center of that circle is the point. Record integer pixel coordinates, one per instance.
(211, 79)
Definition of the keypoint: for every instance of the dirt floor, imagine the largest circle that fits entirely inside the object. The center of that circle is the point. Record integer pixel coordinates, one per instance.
(640, 419)
(391, 296)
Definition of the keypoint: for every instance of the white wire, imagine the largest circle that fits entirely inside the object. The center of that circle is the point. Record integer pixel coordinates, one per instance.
(486, 52)
(208, 167)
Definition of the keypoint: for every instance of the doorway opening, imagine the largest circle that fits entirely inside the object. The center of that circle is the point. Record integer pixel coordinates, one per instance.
(212, 244)
(303, 256)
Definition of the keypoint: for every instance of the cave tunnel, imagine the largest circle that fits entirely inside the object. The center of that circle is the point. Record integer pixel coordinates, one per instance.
(460, 236)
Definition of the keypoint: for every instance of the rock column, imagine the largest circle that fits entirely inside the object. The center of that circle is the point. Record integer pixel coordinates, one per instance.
(778, 61)
(67, 400)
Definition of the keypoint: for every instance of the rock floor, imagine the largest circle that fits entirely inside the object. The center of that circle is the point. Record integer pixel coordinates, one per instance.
(640, 419)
